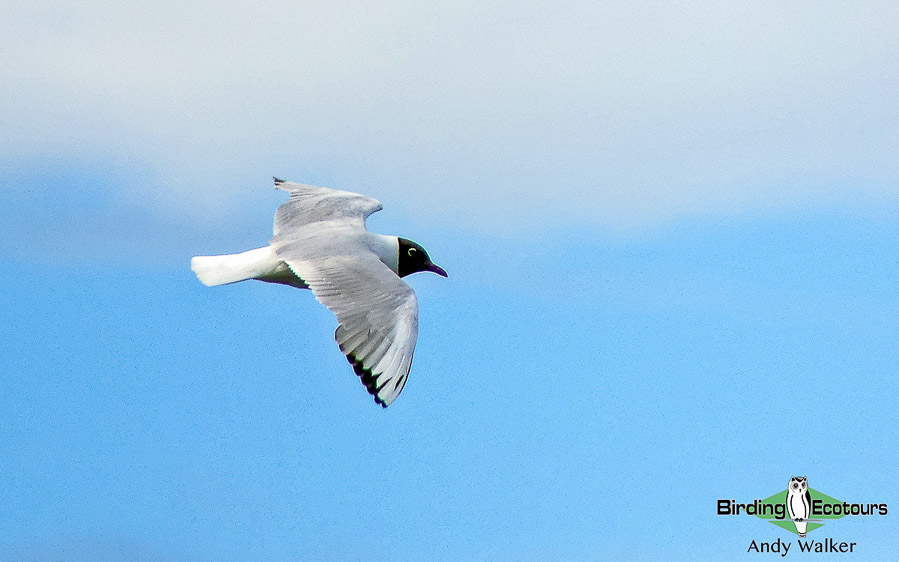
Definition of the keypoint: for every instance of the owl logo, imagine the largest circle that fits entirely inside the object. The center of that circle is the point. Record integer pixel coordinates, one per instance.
(799, 503)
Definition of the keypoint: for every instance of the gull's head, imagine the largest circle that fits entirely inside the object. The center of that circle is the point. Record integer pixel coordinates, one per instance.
(413, 258)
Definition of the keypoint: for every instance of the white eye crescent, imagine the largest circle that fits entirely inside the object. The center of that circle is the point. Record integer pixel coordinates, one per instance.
(411, 252)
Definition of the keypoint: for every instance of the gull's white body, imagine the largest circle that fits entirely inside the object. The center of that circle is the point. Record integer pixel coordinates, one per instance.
(320, 243)
(264, 264)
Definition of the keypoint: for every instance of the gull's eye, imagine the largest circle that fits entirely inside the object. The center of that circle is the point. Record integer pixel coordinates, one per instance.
(411, 252)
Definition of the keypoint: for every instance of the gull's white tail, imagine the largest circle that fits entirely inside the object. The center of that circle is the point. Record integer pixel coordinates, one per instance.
(231, 268)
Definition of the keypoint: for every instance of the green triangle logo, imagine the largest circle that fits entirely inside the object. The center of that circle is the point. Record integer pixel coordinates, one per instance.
(780, 498)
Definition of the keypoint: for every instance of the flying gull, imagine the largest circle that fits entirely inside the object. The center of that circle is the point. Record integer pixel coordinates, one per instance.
(320, 243)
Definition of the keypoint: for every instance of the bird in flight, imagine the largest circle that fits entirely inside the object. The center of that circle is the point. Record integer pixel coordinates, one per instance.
(320, 243)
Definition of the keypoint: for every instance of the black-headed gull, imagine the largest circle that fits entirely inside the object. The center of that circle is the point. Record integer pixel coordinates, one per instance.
(320, 243)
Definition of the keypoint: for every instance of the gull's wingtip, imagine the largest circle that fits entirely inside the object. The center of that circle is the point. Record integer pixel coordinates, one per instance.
(278, 181)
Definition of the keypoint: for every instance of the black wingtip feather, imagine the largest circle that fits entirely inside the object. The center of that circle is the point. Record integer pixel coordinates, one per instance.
(367, 378)
(278, 181)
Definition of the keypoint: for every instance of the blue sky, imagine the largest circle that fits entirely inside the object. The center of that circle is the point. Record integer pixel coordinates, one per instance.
(671, 237)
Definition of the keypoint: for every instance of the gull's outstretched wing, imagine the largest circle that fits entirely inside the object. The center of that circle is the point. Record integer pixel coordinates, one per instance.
(377, 311)
(309, 204)
(320, 234)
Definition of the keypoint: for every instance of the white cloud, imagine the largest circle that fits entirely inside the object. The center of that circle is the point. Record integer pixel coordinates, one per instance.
(509, 115)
